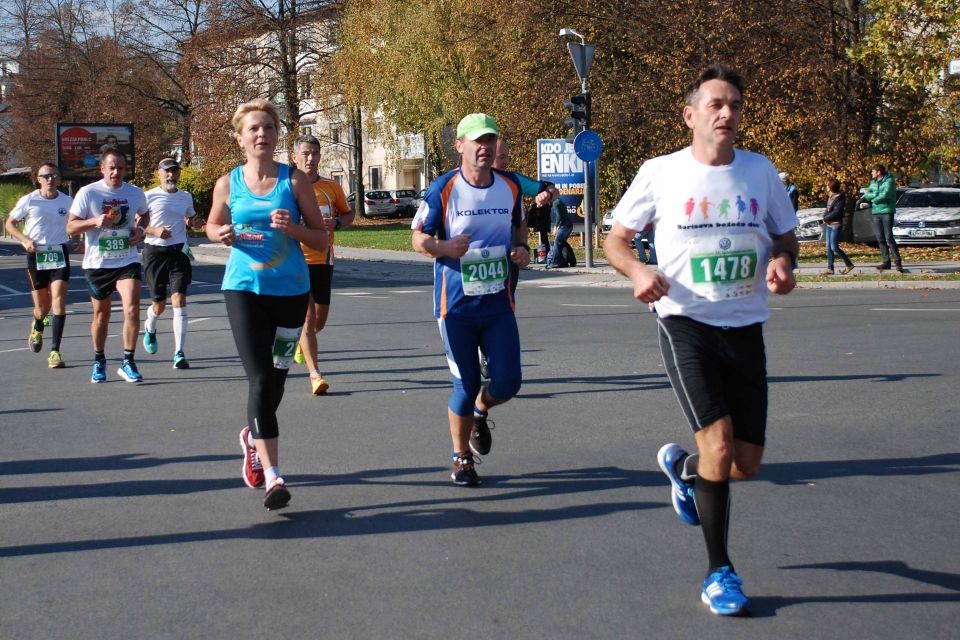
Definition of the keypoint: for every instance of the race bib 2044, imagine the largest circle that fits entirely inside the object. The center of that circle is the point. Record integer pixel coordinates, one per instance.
(484, 270)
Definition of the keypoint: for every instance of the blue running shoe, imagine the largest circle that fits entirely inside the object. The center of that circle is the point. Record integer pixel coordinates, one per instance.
(128, 371)
(99, 373)
(670, 457)
(150, 341)
(180, 361)
(721, 590)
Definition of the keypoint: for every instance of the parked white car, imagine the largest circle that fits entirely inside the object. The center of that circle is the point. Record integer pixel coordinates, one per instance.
(928, 216)
(810, 227)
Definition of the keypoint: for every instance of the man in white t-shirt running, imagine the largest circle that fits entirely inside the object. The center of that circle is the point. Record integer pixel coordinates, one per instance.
(44, 215)
(165, 261)
(105, 212)
(710, 296)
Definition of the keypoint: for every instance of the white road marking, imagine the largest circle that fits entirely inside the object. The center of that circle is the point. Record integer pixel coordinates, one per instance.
(407, 291)
(554, 286)
(352, 293)
(196, 320)
(881, 309)
(12, 350)
(570, 304)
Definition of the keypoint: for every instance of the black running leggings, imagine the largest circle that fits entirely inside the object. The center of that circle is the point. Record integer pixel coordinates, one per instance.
(254, 319)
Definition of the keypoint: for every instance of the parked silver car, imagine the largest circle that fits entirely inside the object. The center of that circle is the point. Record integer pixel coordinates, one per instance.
(403, 200)
(810, 227)
(928, 216)
(375, 203)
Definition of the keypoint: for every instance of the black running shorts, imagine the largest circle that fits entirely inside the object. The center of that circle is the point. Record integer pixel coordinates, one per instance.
(103, 282)
(321, 278)
(166, 266)
(42, 279)
(716, 372)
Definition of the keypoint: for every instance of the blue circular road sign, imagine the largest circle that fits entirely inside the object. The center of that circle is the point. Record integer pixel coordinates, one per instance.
(588, 146)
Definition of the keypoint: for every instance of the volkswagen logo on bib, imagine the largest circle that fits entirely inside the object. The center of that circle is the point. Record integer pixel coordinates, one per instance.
(725, 243)
(485, 253)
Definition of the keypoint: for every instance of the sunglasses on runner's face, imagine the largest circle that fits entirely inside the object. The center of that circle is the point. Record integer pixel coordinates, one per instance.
(48, 176)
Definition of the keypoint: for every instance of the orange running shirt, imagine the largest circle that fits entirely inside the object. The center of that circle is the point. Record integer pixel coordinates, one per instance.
(332, 202)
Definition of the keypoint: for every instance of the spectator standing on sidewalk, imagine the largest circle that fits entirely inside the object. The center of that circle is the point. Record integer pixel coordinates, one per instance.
(791, 190)
(564, 228)
(833, 223)
(881, 193)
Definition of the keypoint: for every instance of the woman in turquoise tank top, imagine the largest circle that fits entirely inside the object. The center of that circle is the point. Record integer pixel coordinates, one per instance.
(257, 210)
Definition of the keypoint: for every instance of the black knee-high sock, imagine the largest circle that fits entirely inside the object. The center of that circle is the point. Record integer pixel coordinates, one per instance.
(38, 325)
(713, 506)
(57, 324)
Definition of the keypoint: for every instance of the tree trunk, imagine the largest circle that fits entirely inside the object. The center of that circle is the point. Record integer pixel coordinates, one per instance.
(357, 127)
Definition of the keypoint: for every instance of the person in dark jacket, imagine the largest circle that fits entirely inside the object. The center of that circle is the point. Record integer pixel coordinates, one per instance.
(882, 196)
(833, 223)
(564, 227)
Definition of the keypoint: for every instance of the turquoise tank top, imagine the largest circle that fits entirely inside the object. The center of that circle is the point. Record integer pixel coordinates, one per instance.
(264, 260)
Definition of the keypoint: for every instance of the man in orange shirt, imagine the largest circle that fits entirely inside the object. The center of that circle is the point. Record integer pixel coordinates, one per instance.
(336, 215)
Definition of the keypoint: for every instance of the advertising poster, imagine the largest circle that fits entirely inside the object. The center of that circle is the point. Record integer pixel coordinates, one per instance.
(557, 163)
(80, 146)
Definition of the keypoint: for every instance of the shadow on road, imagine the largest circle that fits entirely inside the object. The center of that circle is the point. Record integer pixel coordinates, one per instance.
(788, 473)
(445, 513)
(121, 462)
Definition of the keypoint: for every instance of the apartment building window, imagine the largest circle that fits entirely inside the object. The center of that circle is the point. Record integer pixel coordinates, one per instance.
(306, 86)
(338, 178)
(374, 177)
(335, 132)
(306, 131)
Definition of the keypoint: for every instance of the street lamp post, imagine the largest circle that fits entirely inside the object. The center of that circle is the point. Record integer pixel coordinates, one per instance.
(582, 54)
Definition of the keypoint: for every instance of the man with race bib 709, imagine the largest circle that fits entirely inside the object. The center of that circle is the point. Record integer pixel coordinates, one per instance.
(44, 214)
(715, 269)
(105, 212)
(471, 221)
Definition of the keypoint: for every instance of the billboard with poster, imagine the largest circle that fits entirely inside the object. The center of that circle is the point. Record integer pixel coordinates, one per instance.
(557, 163)
(80, 146)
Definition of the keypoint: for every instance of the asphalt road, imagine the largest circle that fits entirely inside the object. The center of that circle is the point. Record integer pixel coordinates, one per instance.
(124, 515)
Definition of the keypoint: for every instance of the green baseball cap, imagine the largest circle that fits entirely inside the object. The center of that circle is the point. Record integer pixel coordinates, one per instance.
(477, 124)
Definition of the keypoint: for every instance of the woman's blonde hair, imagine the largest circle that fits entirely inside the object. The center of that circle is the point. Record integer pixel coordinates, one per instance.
(255, 105)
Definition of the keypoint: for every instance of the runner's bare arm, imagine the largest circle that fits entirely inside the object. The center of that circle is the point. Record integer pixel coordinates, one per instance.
(219, 222)
(313, 233)
(428, 245)
(649, 285)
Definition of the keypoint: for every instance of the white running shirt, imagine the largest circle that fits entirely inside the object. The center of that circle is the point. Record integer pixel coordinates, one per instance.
(713, 227)
(46, 219)
(103, 245)
(169, 209)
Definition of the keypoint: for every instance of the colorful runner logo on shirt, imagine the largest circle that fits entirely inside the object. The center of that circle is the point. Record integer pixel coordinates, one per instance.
(119, 209)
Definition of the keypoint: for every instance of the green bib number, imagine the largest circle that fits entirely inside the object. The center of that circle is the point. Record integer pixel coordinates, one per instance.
(114, 244)
(728, 267)
(284, 348)
(50, 257)
(483, 271)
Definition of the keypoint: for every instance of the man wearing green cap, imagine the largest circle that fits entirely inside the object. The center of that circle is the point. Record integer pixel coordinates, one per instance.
(471, 222)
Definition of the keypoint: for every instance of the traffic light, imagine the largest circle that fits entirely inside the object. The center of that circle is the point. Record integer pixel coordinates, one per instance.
(579, 118)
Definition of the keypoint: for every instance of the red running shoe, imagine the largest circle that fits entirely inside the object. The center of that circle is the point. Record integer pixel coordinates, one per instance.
(277, 496)
(252, 469)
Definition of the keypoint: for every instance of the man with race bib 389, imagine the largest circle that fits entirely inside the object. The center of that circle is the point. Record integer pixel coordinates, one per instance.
(724, 227)
(105, 212)
(471, 221)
